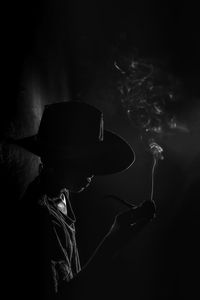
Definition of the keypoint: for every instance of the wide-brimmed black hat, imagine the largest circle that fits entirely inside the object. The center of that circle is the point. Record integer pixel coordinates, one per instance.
(74, 132)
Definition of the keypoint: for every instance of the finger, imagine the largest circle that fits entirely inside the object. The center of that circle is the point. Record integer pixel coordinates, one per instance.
(148, 209)
(128, 217)
(138, 227)
(132, 231)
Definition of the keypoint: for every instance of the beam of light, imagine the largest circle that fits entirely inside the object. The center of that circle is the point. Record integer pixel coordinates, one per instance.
(36, 104)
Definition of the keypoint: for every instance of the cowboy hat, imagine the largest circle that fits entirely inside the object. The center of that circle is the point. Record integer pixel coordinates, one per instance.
(73, 131)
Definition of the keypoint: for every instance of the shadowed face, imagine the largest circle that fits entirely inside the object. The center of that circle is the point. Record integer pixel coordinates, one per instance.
(74, 177)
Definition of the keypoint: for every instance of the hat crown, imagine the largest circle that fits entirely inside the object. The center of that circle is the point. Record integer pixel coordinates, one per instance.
(70, 123)
(72, 132)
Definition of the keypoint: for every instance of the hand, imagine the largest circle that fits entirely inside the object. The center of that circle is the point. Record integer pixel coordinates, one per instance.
(127, 224)
(125, 227)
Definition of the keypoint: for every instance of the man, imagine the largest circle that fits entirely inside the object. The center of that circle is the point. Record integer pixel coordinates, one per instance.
(73, 146)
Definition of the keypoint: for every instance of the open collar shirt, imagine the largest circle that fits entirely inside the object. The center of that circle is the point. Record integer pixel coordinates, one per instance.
(65, 264)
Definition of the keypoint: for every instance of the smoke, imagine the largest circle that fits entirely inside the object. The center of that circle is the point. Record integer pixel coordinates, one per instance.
(158, 105)
(149, 96)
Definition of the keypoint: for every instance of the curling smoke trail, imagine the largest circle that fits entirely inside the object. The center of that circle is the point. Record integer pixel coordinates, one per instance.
(146, 95)
(156, 151)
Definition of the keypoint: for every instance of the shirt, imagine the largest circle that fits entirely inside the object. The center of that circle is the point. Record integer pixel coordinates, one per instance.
(66, 263)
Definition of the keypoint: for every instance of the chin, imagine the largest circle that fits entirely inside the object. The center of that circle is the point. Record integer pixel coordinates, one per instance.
(79, 189)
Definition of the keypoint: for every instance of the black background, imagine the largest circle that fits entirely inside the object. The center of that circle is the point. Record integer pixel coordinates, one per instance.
(65, 50)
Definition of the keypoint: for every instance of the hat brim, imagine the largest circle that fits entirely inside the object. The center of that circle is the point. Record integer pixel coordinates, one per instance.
(112, 155)
(115, 155)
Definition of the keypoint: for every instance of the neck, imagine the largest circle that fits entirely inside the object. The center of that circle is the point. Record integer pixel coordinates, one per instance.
(51, 186)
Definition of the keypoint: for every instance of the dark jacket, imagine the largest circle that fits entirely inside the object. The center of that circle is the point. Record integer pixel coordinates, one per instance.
(47, 252)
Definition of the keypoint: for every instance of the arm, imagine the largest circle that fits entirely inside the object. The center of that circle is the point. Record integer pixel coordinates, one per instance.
(125, 227)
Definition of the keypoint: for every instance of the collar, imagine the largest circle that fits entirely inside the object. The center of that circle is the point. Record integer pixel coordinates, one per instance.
(61, 205)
